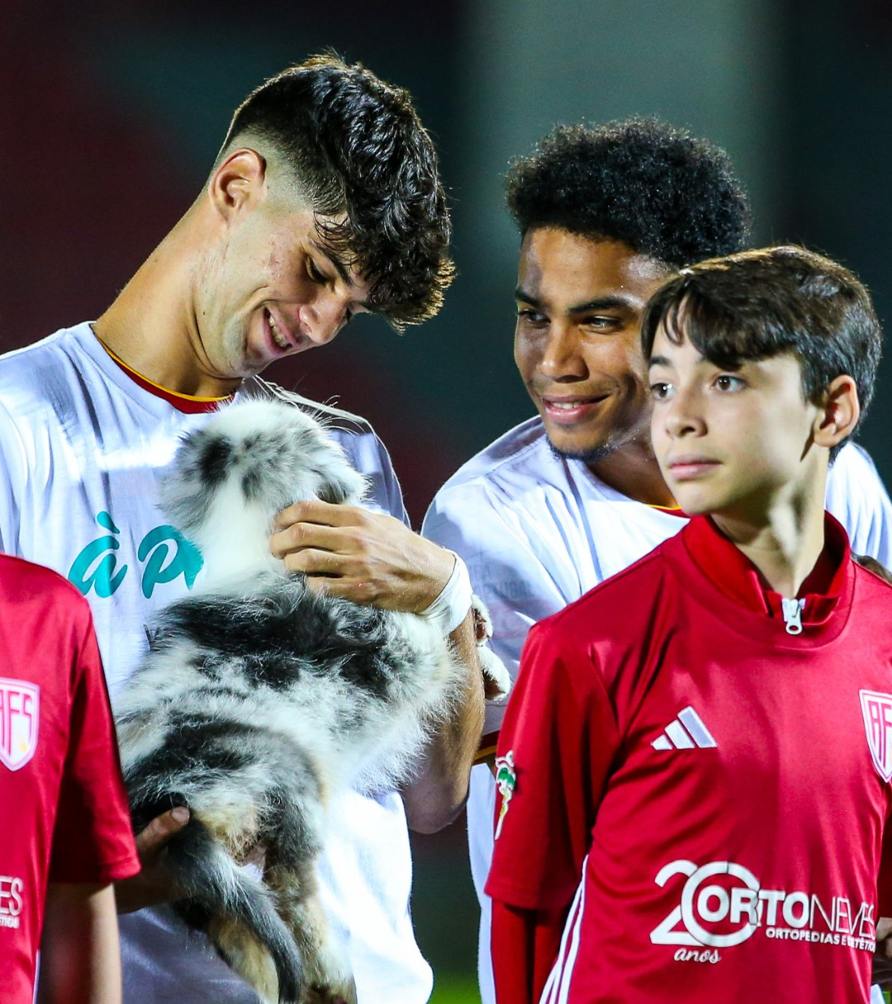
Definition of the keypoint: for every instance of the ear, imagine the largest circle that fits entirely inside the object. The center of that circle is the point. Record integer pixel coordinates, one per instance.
(840, 411)
(238, 183)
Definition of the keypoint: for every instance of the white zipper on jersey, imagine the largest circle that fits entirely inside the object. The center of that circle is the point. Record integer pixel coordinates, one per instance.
(792, 611)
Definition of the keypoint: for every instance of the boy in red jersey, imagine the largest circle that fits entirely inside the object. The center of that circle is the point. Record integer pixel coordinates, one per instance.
(65, 832)
(694, 767)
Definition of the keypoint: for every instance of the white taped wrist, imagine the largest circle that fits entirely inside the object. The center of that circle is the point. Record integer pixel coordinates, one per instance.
(451, 607)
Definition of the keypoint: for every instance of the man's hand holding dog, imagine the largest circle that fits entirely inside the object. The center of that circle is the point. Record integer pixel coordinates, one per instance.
(368, 557)
(363, 556)
(152, 885)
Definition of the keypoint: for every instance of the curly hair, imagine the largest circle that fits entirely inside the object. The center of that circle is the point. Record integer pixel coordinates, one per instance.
(656, 188)
(357, 148)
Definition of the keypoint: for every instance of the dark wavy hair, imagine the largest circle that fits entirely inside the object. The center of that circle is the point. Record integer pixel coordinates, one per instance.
(763, 303)
(656, 188)
(357, 147)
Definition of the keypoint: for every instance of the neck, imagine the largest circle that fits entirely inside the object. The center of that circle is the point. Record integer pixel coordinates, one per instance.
(784, 545)
(151, 326)
(633, 471)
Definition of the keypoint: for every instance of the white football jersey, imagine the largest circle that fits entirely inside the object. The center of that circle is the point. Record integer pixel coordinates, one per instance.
(538, 530)
(84, 446)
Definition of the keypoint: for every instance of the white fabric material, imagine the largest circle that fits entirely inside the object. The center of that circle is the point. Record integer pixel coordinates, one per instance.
(451, 607)
(80, 439)
(537, 531)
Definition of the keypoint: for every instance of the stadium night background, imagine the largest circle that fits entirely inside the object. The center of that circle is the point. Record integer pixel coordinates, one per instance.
(113, 113)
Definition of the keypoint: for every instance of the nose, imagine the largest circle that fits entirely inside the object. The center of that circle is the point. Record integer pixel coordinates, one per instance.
(323, 318)
(683, 415)
(562, 357)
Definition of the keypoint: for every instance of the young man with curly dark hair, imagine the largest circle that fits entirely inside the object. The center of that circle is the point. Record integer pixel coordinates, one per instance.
(324, 201)
(570, 497)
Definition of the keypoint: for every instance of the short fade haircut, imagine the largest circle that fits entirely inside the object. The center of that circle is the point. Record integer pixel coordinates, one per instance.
(770, 301)
(356, 146)
(656, 188)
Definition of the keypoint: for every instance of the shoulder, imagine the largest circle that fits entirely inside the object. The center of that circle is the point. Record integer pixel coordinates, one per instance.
(850, 469)
(504, 474)
(514, 458)
(336, 420)
(33, 377)
(27, 365)
(619, 608)
(24, 583)
(356, 437)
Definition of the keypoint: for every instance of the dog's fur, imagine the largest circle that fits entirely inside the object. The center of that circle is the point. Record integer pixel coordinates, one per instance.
(258, 699)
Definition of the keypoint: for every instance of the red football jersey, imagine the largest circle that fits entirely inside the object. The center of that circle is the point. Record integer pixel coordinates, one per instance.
(694, 785)
(63, 808)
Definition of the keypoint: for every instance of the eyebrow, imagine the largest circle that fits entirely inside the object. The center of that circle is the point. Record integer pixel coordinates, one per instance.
(599, 303)
(658, 361)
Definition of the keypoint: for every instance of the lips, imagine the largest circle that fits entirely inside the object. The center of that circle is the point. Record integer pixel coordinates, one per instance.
(278, 333)
(690, 467)
(570, 410)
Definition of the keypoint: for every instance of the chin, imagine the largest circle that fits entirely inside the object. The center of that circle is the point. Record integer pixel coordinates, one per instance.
(588, 448)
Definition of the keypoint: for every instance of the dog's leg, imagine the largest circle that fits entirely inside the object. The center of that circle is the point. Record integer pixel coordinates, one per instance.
(246, 956)
(326, 968)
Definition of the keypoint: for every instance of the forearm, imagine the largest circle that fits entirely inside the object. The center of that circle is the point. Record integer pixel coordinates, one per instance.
(80, 961)
(436, 796)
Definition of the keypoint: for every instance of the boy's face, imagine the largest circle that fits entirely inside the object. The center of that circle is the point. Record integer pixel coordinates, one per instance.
(731, 441)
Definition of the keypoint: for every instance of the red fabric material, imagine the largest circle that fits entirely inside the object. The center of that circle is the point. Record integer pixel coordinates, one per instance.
(64, 812)
(184, 403)
(774, 806)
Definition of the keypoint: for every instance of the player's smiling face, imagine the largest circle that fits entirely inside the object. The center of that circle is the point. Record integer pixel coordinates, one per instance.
(731, 441)
(272, 290)
(576, 341)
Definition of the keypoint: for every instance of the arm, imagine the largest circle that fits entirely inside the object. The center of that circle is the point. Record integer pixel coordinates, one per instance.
(555, 753)
(369, 557)
(485, 528)
(436, 796)
(80, 961)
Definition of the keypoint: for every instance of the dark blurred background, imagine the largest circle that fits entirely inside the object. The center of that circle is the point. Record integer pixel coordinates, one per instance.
(112, 113)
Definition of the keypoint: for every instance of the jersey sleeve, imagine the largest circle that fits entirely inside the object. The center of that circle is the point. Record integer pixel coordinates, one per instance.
(93, 839)
(15, 476)
(858, 499)
(370, 457)
(555, 749)
(506, 574)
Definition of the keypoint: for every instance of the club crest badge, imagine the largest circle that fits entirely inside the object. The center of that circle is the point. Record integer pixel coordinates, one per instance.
(19, 717)
(506, 782)
(877, 711)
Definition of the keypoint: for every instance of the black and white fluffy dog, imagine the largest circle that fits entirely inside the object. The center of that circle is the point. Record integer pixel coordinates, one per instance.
(259, 698)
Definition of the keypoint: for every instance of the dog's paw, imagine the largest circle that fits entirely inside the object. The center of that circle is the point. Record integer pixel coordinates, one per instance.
(496, 679)
(318, 994)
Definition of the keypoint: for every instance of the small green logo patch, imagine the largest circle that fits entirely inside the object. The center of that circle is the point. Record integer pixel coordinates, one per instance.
(506, 782)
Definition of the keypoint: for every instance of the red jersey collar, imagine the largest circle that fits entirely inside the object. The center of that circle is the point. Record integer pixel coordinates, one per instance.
(730, 571)
(186, 403)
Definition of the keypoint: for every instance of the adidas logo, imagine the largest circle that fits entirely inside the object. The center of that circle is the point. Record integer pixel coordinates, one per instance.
(685, 732)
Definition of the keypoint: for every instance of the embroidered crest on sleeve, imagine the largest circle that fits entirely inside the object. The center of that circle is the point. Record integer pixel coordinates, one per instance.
(506, 782)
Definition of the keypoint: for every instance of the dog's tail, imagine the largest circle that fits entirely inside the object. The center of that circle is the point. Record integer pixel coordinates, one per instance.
(214, 886)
